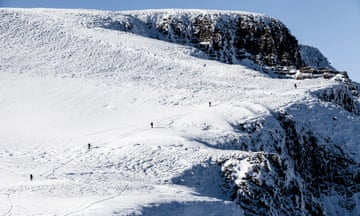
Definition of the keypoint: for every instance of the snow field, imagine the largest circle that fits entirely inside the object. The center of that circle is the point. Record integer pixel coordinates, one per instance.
(65, 83)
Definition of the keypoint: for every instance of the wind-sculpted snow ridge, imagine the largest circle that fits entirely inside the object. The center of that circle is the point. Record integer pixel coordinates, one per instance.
(79, 89)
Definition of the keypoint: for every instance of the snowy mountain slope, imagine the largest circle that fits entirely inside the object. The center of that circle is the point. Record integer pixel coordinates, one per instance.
(313, 57)
(65, 82)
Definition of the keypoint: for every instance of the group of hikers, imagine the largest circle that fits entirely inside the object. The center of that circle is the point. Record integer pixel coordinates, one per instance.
(89, 145)
(152, 126)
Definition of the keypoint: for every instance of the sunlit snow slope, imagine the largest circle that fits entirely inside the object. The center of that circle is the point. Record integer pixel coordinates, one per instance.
(65, 83)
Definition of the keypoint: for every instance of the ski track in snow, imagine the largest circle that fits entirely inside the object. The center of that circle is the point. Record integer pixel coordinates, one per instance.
(10, 208)
(97, 202)
(160, 122)
(52, 172)
(65, 83)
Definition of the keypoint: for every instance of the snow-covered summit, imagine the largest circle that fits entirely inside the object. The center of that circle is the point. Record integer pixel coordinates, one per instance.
(225, 139)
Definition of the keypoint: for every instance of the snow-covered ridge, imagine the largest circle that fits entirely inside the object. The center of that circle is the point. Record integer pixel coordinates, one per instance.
(225, 139)
(227, 36)
(312, 56)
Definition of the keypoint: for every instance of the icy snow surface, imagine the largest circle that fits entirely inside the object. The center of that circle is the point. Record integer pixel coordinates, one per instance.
(64, 84)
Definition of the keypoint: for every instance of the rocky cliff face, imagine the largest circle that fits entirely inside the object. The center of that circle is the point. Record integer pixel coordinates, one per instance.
(294, 172)
(343, 96)
(229, 37)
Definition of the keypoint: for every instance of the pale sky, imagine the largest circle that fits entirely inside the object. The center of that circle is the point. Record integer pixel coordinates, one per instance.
(333, 26)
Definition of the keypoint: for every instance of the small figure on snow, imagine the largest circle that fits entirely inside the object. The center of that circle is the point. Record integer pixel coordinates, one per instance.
(31, 177)
(89, 146)
(209, 103)
(295, 86)
(151, 124)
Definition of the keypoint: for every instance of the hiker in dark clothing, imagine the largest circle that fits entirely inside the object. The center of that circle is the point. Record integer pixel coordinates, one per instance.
(295, 85)
(209, 103)
(89, 146)
(151, 124)
(31, 177)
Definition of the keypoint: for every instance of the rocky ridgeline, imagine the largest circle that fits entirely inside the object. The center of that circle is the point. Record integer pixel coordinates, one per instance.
(308, 72)
(234, 37)
(313, 72)
(324, 72)
(230, 37)
(224, 36)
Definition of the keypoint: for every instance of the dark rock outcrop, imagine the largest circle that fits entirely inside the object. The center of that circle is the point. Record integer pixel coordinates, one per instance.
(344, 96)
(233, 37)
(296, 180)
(228, 37)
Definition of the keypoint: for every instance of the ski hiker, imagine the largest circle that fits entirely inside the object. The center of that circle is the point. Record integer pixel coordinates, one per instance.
(209, 103)
(31, 177)
(151, 124)
(295, 85)
(89, 146)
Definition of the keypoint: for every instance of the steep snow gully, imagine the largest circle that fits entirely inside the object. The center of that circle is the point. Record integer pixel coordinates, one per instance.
(269, 128)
